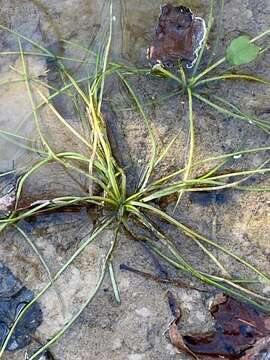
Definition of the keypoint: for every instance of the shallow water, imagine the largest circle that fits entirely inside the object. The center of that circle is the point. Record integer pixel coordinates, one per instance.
(240, 220)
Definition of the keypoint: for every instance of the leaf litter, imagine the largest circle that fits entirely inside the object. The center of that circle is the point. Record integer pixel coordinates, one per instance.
(241, 332)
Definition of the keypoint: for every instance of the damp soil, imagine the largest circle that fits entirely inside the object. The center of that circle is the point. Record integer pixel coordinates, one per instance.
(135, 329)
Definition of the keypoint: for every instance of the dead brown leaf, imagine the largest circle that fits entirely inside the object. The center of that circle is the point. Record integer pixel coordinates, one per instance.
(260, 350)
(241, 332)
(177, 340)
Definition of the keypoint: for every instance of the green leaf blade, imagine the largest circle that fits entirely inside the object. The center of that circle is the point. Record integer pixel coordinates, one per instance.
(241, 51)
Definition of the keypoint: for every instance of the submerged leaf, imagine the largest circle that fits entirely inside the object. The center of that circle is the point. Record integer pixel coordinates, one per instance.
(260, 351)
(179, 36)
(241, 51)
(238, 326)
(177, 340)
(241, 332)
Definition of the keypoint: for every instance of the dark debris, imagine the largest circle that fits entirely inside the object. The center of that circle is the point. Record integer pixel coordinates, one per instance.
(241, 332)
(13, 298)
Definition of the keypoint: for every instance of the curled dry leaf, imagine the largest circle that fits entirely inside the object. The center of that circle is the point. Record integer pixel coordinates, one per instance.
(174, 334)
(241, 332)
(238, 327)
(177, 340)
(260, 351)
(179, 36)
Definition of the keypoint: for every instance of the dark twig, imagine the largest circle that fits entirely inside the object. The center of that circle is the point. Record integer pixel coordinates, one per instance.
(160, 280)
